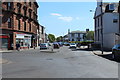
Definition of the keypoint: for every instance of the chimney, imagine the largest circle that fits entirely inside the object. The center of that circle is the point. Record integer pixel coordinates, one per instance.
(87, 30)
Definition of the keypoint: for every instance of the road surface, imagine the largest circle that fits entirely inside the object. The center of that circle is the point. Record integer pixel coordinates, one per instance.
(64, 63)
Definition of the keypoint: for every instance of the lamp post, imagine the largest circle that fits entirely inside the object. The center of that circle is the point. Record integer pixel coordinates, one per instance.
(101, 28)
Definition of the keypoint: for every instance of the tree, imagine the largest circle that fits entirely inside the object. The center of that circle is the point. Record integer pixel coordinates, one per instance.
(60, 38)
(51, 37)
(90, 35)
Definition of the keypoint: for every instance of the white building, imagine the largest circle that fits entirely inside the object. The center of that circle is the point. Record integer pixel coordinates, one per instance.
(76, 35)
(106, 22)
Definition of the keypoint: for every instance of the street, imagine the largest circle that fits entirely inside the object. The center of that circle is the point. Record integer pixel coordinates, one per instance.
(64, 63)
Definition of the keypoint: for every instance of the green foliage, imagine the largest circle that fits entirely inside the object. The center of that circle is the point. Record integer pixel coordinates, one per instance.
(90, 35)
(60, 38)
(51, 37)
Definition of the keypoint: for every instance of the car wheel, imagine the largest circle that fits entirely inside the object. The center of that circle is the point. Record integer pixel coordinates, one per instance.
(116, 56)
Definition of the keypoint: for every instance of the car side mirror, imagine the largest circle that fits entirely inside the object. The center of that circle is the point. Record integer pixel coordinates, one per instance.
(118, 47)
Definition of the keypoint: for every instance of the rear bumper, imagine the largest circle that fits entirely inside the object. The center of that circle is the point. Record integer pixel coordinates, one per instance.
(72, 47)
(44, 48)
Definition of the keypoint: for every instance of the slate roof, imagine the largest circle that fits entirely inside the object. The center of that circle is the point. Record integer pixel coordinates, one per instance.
(78, 31)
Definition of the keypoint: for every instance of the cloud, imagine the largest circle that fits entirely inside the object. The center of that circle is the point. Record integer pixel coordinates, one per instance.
(67, 19)
(77, 18)
(55, 14)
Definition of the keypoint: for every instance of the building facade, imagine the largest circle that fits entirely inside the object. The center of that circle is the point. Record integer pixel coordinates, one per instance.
(106, 24)
(19, 24)
(76, 35)
(40, 35)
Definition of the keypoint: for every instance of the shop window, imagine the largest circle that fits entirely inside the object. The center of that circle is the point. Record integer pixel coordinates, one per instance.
(4, 44)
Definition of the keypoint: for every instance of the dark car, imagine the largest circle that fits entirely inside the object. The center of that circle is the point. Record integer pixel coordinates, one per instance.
(116, 52)
(60, 44)
(56, 45)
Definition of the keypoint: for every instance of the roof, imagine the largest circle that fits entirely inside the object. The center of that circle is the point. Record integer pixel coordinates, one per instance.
(78, 31)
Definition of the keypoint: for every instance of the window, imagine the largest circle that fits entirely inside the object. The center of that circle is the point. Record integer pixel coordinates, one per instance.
(30, 4)
(24, 26)
(30, 14)
(9, 6)
(18, 24)
(72, 39)
(9, 22)
(42, 30)
(30, 27)
(98, 34)
(111, 6)
(19, 7)
(115, 20)
(72, 35)
(101, 21)
(98, 21)
(25, 11)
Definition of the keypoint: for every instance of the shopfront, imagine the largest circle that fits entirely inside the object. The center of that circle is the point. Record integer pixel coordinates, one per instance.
(4, 42)
(24, 40)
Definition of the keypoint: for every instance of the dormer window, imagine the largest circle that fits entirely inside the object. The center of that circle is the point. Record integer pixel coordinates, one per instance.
(111, 7)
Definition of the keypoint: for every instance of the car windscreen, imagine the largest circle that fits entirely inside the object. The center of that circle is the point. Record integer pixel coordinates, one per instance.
(72, 44)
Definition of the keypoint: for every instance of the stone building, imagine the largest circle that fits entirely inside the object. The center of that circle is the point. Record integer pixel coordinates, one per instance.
(19, 24)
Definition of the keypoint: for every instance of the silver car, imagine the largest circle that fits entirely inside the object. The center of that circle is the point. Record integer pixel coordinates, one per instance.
(44, 46)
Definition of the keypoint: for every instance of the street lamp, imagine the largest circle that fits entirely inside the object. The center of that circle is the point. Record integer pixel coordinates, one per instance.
(101, 28)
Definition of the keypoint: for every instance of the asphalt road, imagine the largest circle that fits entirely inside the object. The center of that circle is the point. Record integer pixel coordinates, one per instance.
(65, 63)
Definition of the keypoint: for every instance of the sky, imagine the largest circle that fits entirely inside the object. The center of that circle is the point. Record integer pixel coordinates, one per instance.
(58, 17)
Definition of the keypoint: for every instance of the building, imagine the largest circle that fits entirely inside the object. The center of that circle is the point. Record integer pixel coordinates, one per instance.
(76, 35)
(106, 24)
(19, 24)
(65, 38)
(41, 35)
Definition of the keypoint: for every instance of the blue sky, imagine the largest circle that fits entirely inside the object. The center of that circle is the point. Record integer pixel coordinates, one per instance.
(58, 17)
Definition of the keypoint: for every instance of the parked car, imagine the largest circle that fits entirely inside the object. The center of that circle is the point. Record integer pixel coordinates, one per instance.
(44, 46)
(60, 44)
(66, 43)
(56, 45)
(116, 52)
(73, 45)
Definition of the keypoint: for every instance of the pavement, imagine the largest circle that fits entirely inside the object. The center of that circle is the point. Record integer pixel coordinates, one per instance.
(3, 61)
(98, 52)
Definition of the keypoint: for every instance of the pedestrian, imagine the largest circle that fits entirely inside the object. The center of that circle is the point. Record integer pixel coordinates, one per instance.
(28, 46)
(34, 46)
(18, 46)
